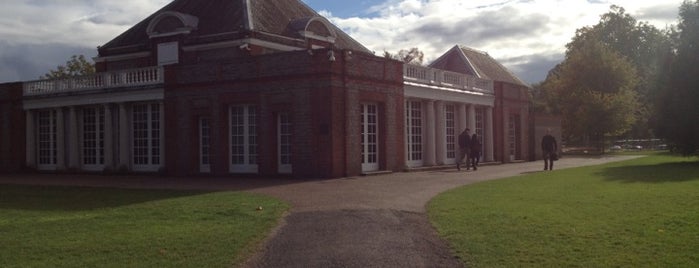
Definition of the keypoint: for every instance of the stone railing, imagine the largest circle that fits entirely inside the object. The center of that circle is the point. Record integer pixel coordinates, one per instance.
(436, 77)
(122, 78)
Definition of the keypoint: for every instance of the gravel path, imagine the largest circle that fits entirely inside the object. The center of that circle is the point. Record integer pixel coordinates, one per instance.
(372, 221)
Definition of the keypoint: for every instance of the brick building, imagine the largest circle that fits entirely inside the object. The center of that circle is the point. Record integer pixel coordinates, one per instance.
(261, 87)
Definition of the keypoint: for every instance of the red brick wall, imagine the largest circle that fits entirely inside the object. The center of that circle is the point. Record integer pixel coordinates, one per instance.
(12, 128)
(510, 100)
(322, 97)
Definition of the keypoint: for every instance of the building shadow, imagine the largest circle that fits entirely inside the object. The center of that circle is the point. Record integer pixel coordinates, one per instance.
(79, 198)
(58, 192)
(660, 173)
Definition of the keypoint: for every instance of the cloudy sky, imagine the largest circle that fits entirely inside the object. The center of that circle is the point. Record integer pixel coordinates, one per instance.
(527, 36)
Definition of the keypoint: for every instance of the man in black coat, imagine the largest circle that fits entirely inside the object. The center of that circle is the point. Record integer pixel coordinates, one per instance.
(464, 148)
(549, 148)
(475, 152)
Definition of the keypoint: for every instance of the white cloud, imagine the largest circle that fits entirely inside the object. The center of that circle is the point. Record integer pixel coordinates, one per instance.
(80, 23)
(515, 32)
(523, 34)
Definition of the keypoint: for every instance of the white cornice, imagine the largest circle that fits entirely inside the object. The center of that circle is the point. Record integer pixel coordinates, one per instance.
(238, 43)
(412, 90)
(123, 57)
(98, 98)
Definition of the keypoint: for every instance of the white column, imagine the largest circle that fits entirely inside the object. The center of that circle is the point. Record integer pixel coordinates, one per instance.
(429, 134)
(73, 146)
(523, 135)
(123, 137)
(162, 134)
(30, 139)
(472, 118)
(490, 136)
(60, 140)
(505, 135)
(441, 135)
(108, 138)
(462, 123)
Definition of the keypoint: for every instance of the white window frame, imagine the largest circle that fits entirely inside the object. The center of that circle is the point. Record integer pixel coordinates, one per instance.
(451, 133)
(47, 138)
(370, 137)
(511, 137)
(243, 149)
(480, 129)
(284, 143)
(147, 148)
(414, 133)
(93, 138)
(204, 145)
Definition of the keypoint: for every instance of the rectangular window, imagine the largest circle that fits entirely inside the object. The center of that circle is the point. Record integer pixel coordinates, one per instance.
(168, 53)
(243, 139)
(414, 132)
(93, 138)
(511, 136)
(480, 127)
(450, 115)
(284, 129)
(46, 139)
(146, 136)
(204, 145)
(370, 137)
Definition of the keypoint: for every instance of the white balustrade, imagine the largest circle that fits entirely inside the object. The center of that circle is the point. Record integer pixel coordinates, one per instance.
(122, 78)
(453, 80)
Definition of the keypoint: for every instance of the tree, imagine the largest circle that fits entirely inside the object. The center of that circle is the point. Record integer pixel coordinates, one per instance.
(593, 91)
(76, 66)
(643, 46)
(677, 102)
(410, 56)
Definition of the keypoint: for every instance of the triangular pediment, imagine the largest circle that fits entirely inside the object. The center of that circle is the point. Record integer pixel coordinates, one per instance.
(470, 61)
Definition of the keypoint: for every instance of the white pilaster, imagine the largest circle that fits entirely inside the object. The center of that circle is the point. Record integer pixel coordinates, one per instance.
(60, 140)
(73, 146)
(30, 139)
(123, 137)
(108, 138)
(472, 118)
(505, 135)
(490, 136)
(162, 134)
(430, 134)
(441, 135)
(462, 122)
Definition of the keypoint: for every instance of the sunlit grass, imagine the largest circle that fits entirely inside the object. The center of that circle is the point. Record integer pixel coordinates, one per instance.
(637, 213)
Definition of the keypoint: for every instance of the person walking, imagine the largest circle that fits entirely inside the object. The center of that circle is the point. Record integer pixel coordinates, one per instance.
(475, 152)
(464, 147)
(549, 147)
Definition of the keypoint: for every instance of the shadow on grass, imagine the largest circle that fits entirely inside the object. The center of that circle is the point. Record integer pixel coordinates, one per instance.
(68, 198)
(660, 173)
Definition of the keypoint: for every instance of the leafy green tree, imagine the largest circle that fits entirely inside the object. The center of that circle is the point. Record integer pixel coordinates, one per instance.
(593, 90)
(677, 106)
(643, 46)
(76, 66)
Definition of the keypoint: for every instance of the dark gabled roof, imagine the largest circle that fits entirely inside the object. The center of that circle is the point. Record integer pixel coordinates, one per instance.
(474, 62)
(234, 18)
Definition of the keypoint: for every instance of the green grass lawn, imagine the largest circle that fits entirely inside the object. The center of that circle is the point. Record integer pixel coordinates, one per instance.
(98, 227)
(637, 213)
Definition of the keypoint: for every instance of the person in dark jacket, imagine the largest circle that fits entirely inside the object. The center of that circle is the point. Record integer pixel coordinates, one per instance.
(549, 148)
(464, 148)
(475, 152)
